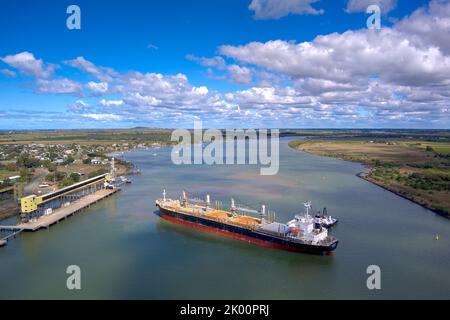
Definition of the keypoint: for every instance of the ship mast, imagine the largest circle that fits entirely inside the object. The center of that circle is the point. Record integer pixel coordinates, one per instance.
(307, 206)
(233, 206)
(262, 213)
(184, 199)
(208, 201)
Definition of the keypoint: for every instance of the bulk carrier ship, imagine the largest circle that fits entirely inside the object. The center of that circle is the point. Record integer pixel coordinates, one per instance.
(303, 234)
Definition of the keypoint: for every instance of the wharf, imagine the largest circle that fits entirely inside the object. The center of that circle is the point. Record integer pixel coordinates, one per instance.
(59, 214)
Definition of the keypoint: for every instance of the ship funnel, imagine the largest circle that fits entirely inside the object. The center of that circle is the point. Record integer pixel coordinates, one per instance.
(317, 224)
(208, 200)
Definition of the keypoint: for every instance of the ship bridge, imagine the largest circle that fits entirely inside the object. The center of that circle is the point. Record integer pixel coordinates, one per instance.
(35, 206)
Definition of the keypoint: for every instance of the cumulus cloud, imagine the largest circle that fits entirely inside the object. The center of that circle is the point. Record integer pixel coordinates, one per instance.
(59, 86)
(256, 96)
(111, 103)
(240, 75)
(138, 99)
(362, 5)
(98, 87)
(26, 63)
(275, 9)
(101, 73)
(347, 56)
(219, 70)
(429, 26)
(399, 75)
(217, 62)
(79, 106)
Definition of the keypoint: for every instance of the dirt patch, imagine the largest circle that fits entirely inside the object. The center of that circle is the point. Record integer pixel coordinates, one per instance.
(8, 208)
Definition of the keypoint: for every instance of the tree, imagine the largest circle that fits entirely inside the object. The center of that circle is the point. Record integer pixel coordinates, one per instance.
(25, 175)
(66, 182)
(11, 166)
(75, 177)
(51, 176)
(25, 161)
(49, 165)
(69, 160)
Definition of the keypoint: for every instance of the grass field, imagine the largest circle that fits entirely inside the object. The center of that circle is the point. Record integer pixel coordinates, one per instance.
(88, 137)
(442, 148)
(4, 174)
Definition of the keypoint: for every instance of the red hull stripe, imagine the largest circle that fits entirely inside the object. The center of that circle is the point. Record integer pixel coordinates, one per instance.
(231, 234)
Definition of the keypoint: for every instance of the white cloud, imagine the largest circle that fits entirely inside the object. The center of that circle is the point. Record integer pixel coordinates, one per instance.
(137, 99)
(203, 90)
(111, 103)
(399, 75)
(101, 73)
(429, 26)
(98, 87)
(29, 65)
(8, 73)
(275, 9)
(217, 62)
(268, 97)
(240, 75)
(350, 56)
(79, 106)
(362, 5)
(59, 86)
(102, 116)
(152, 46)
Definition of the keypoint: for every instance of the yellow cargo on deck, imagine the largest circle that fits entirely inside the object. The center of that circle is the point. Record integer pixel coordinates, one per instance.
(218, 214)
(245, 221)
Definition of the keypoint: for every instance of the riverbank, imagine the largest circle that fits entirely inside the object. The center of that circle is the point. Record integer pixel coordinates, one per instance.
(8, 208)
(409, 169)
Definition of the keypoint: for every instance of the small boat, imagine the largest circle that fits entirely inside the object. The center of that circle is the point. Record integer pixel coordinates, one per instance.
(125, 179)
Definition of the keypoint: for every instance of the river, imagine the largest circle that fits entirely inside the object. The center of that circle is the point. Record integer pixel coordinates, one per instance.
(125, 251)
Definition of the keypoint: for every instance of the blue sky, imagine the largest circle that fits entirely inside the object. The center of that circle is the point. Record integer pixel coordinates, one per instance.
(234, 63)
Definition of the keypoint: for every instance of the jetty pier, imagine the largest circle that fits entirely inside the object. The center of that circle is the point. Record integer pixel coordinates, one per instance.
(41, 212)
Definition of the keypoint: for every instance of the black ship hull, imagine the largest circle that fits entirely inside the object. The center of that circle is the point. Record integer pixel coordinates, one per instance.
(244, 234)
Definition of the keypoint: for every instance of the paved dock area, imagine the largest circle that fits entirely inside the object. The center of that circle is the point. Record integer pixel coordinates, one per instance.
(61, 213)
